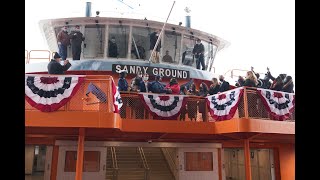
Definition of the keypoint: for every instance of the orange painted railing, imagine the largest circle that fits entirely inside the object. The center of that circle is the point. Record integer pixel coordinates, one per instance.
(31, 55)
(81, 102)
(250, 105)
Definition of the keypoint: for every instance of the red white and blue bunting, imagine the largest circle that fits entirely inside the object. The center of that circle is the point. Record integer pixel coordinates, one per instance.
(223, 106)
(279, 104)
(163, 106)
(48, 94)
(117, 101)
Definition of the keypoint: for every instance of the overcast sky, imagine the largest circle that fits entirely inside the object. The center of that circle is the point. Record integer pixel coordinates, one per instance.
(261, 32)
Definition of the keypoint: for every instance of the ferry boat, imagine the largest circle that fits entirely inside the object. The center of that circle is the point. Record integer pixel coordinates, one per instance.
(83, 131)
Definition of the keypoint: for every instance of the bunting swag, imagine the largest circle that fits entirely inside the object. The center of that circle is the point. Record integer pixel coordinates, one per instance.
(48, 94)
(117, 101)
(223, 106)
(279, 104)
(163, 106)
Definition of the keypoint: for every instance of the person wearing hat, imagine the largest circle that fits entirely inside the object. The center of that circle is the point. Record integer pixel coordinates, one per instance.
(63, 42)
(76, 41)
(198, 51)
(54, 66)
(122, 82)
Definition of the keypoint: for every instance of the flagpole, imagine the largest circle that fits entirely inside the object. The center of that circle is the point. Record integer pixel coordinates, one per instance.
(155, 46)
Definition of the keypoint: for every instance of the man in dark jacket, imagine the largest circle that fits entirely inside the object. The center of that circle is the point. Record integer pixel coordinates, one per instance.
(153, 39)
(224, 85)
(76, 41)
(198, 51)
(122, 82)
(288, 85)
(54, 66)
(63, 42)
(156, 86)
(113, 48)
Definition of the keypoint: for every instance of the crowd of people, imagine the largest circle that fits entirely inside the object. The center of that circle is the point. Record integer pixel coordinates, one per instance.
(282, 82)
(141, 83)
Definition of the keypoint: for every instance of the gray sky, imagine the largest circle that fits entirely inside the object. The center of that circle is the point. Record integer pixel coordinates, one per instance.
(261, 32)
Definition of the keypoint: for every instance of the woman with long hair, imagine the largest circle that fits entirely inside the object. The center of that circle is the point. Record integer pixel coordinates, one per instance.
(251, 80)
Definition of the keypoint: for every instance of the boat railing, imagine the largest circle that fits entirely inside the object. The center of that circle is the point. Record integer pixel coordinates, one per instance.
(250, 106)
(171, 161)
(196, 109)
(235, 73)
(115, 167)
(144, 162)
(81, 101)
(35, 56)
(39, 55)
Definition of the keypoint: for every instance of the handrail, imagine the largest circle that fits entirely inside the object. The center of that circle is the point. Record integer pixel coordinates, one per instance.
(114, 163)
(250, 106)
(171, 162)
(232, 72)
(145, 164)
(171, 158)
(29, 58)
(115, 157)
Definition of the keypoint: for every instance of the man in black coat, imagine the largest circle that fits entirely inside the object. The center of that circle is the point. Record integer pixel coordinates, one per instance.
(113, 47)
(224, 85)
(198, 51)
(76, 40)
(54, 66)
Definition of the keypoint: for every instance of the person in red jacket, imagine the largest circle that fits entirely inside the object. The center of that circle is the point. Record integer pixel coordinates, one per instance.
(173, 87)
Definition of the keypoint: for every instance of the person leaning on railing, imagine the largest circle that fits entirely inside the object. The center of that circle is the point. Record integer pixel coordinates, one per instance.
(54, 66)
(251, 80)
(192, 105)
(288, 85)
(260, 81)
(172, 87)
(214, 87)
(224, 85)
(203, 92)
(122, 82)
(156, 86)
(183, 91)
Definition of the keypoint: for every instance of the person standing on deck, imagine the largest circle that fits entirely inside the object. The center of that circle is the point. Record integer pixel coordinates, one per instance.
(63, 42)
(122, 82)
(76, 41)
(167, 58)
(198, 51)
(224, 85)
(113, 47)
(54, 66)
